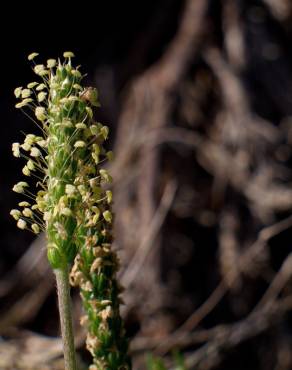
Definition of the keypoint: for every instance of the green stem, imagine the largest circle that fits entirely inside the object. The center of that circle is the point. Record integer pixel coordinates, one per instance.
(64, 300)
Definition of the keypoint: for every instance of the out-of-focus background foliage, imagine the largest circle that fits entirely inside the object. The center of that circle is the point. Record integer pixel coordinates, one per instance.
(198, 97)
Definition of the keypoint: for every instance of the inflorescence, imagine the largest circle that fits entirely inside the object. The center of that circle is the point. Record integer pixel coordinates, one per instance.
(73, 202)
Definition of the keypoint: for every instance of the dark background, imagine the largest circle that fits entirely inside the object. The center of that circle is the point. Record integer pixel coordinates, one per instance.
(202, 137)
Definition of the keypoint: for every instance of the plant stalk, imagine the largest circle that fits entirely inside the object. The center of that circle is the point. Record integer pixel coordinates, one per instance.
(64, 300)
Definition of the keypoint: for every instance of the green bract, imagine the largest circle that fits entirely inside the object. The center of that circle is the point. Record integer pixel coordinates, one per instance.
(72, 204)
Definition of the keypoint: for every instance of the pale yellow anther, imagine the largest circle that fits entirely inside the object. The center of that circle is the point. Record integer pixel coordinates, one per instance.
(19, 187)
(95, 157)
(23, 103)
(41, 87)
(51, 63)
(31, 85)
(30, 139)
(96, 148)
(105, 176)
(24, 204)
(104, 132)
(77, 87)
(89, 112)
(16, 149)
(27, 212)
(41, 96)
(26, 171)
(32, 56)
(39, 68)
(15, 213)
(76, 73)
(25, 93)
(35, 228)
(43, 72)
(17, 92)
(30, 165)
(81, 125)
(68, 54)
(35, 152)
(109, 196)
(21, 224)
(79, 144)
(66, 211)
(107, 216)
(93, 129)
(40, 113)
(42, 143)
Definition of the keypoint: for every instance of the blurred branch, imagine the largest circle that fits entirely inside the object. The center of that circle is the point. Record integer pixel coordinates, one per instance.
(246, 259)
(212, 353)
(148, 240)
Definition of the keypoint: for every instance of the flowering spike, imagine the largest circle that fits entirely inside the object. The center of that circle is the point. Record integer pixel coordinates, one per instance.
(73, 205)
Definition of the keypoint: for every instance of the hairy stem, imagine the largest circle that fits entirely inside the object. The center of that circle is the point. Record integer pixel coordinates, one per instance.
(64, 300)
